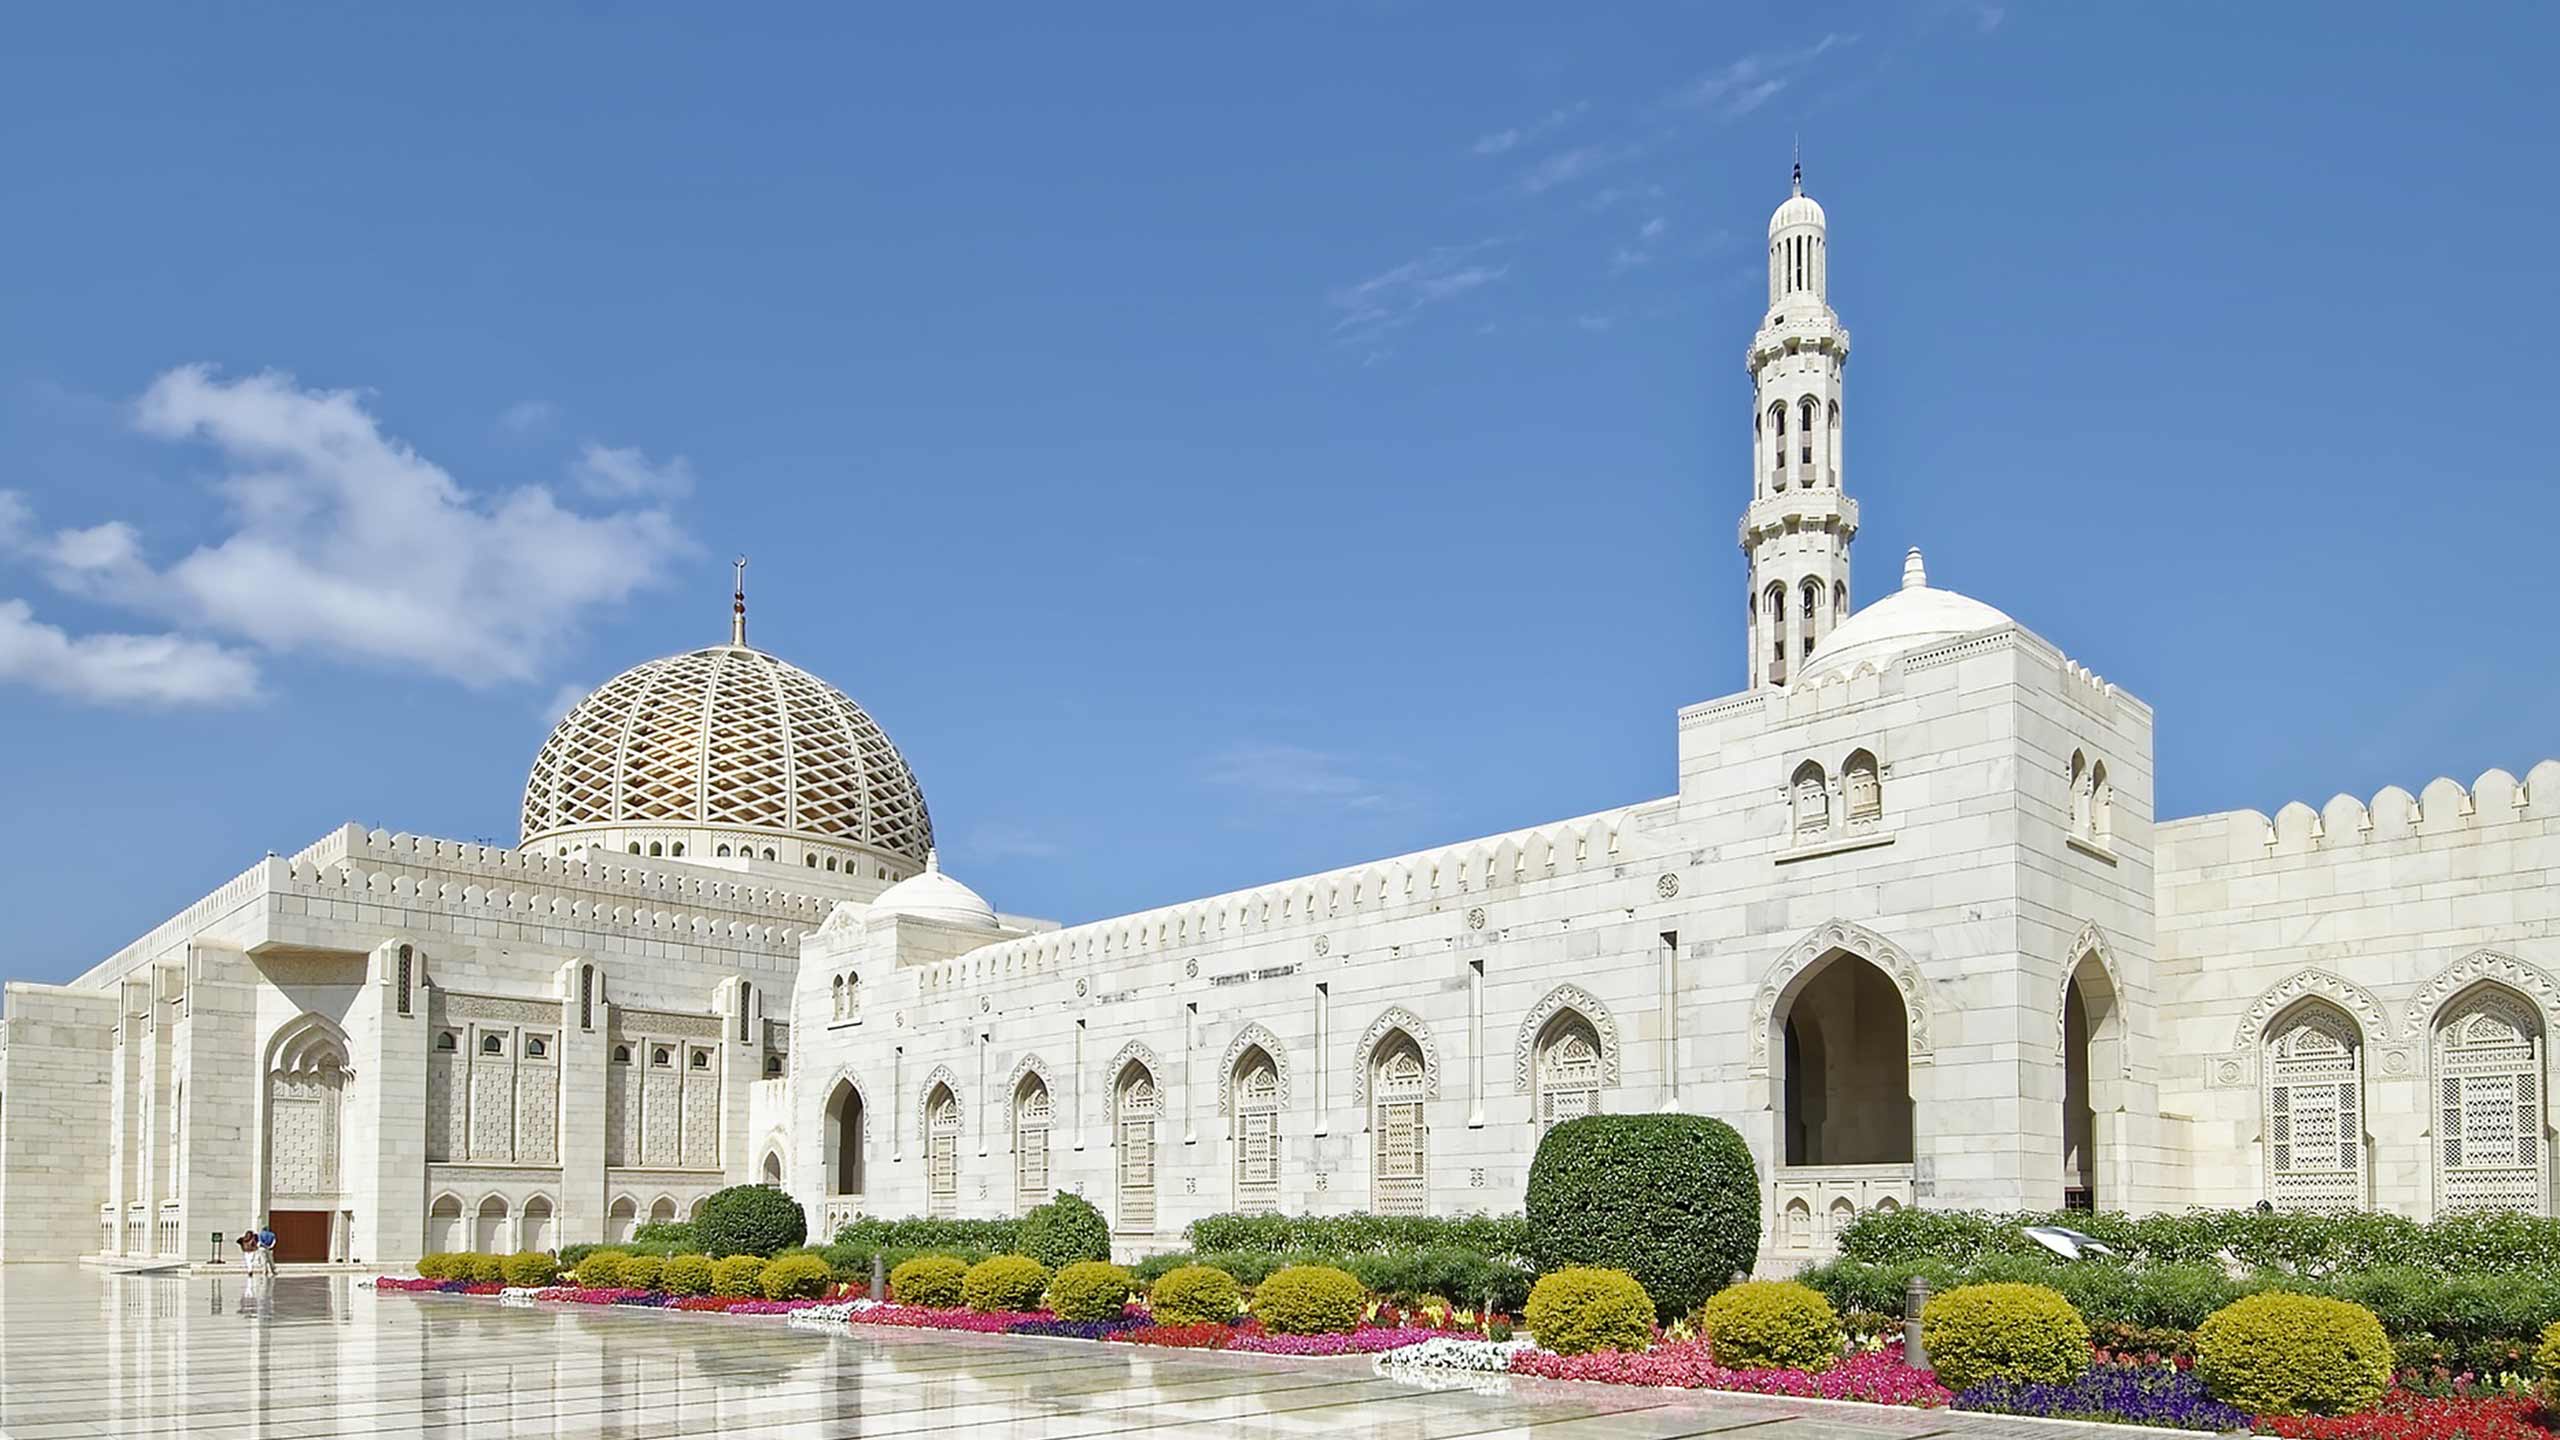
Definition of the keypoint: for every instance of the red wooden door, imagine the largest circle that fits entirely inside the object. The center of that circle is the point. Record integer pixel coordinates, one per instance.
(302, 1236)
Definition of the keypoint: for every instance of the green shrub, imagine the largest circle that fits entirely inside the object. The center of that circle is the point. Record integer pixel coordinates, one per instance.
(1580, 1309)
(1065, 1230)
(1006, 1282)
(2285, 1354)
(600, 1269)
(2546, 1366)
(919, 1235)
(738, 1275)
(796, 1277)
(1495, 1236)
(2003, 1332)
(436, 1265)
(1310, 1300)
(486, 1270)
(530, 1269)
(1090, 1290)
(1194, 1294)
(931, 1280)
(2304, 1245)
(640, 1272)
(1671, 1199)
(678, 1233)
(1771, 1325)
(749, 1220)
(686, 1275)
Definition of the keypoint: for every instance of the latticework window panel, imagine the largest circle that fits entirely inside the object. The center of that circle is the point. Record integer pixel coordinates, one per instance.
(1258, 1139)
(2491, 1149)
(2314, 1119)
(727, 736)
(1568, 1076)
(1398, 1137)
(942, 1156)
(1031, 1115)
(1135, 1157)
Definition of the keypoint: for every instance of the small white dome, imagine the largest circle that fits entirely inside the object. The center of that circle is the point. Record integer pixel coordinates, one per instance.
(1912, 618)
(935, 896)
(1797, 211)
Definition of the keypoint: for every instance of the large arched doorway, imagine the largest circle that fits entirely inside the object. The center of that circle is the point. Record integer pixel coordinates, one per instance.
(1847, 1088)
(307, 1079)
(2092, 1069)
(844, 1141)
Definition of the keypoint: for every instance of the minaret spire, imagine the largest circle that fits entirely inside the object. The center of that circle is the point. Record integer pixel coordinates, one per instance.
(1797, 527)
(738, 606)
(1799, 180)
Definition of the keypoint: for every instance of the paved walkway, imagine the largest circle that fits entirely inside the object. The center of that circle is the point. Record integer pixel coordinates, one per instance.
(86, 1354)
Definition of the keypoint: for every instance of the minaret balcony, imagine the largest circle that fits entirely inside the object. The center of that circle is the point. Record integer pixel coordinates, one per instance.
(1821, 508)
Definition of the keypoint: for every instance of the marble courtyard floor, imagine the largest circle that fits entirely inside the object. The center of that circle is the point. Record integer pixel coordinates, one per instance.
(83, 1353)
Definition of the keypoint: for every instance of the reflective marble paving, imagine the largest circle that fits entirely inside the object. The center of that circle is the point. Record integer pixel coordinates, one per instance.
(89, 1354)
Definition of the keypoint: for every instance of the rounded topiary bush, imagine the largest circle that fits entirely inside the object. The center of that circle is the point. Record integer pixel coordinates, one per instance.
(2004, 1331)
(686, 1275)
(2280, 1354)
(1064, 1231)
(1771, 1325)
(2546, 1365)
(640, 1272)
(1193, 1295)
(1671, 1199)
(749, 1220)
(738, 1275)
(487, 1270)
(600, 1269)
(530, 1269)
(796, 1277)
(1006, 1282)
(1090, 1290)
(930, 1280)
(1583, 1308)
(1310, 1300)
(436, 1265)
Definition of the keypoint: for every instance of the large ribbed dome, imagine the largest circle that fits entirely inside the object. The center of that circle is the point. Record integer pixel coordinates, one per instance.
(727, 740)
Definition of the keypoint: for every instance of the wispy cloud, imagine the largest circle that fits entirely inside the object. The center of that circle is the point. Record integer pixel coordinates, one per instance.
(1283, 776)
(1368, 310)
(1595, 322)
(110, 669)
(526, 416)
(563, 700)
(1567, 166)
(623, 473)
(1501, 142)
(1736, 89)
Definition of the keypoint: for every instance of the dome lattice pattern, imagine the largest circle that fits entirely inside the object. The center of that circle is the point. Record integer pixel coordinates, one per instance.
(727, 736)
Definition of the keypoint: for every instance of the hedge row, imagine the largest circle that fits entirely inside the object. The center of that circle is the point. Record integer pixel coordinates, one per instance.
(2293, 1243)
(1061, 1231)
(1501, 1236)
(1464, 1277)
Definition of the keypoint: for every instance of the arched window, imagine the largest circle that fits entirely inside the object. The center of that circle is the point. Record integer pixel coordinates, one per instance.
(1865, 793)
(2492, 1152)
(942, 1153)
(622, 1221)
(844, 1140)
(635, 847)
(656, 851)
(1256, 1085)
(838, 988)
(831, 864)
(1399, 1135)
(1568, 1070)
(1776, 604)
(2080, 793)
(768, 852)
(621, 1054)
(663, 1212)
(1811, 794)
(1804, 441)
(1134, 1110)
(2102, 804)
(812, 861)
(2312, 1126)
(1778, 446)
(1031, 1116)
(536, 1232)
(1831, 449)
(493, 1045)
(1839, 602)
(773, 1169)
(444, 1225)
(720, 852)
(489, 1228)
(1810, 605)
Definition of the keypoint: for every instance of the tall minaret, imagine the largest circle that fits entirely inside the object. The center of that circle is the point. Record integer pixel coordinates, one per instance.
(1800, 522)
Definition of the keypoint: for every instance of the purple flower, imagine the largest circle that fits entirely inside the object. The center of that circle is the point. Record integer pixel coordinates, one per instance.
(2125, 1394)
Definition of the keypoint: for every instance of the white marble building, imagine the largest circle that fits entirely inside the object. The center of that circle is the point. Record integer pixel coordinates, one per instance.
(1907, 921)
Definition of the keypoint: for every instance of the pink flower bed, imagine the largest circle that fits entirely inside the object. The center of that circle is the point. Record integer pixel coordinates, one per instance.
(770, 1307)
(583, 1295)
(1367, 1340)
(919, 1317)
(1877, 1376)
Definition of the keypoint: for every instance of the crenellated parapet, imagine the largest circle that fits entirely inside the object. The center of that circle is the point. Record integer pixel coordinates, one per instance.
(2443, 807)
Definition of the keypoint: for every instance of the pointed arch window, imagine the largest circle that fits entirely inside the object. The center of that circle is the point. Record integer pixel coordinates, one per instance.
(1399, 1137)
(1032, 1112)
(2492, 1151)
(837, 986)
(1568, 1071)
(942, 1153)
(2312, 1129)
(1257, 1092)
(1865, 793)
(1804, 439)
(1810, 792)
(1134, 1134)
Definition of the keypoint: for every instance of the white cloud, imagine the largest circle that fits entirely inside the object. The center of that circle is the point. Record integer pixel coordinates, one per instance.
(120, 669)
(1626, 258)
(527, 416)
(1651, 229)
(1562, 168)
(344, 541)
(1497, 142)
(562, 701)
(1292, 775)
(1369, 309)
(626, 474)
(1737, 89)
(16, 520)
(1503, 141)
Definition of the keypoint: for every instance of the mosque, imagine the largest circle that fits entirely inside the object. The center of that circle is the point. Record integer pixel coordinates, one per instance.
(1906, 919)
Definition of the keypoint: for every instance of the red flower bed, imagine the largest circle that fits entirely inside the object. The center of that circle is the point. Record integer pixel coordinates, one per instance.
(705, 1302)
(2405, 1415)
(1204, 1336)
(1876, 1376)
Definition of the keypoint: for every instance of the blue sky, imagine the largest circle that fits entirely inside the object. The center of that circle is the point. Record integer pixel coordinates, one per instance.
(1221, 447)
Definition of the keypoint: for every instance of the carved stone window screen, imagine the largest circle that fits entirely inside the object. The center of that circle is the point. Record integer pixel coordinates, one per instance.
(2313, 1121)
(1399, 1136)
(1032, 1114)
(2491, 1149)
(1258, 1138)
(1134, 1156)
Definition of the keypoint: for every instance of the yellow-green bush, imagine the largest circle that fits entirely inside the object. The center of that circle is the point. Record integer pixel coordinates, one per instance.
(1582, 1308)
(1771, 1325)
(601, 1269)
(437, 1265)
(1194, 1294)
(738, 1275)
(686, 1275)
(2280, 1354)
(797, 1277)
(1090, 1290)
(487, 1270)
(530, 1269)
(2546, 1364)
(2003, 1332)
(1310, 1300)
(1004, 1282)
(932, 1280)
(640, 1272)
